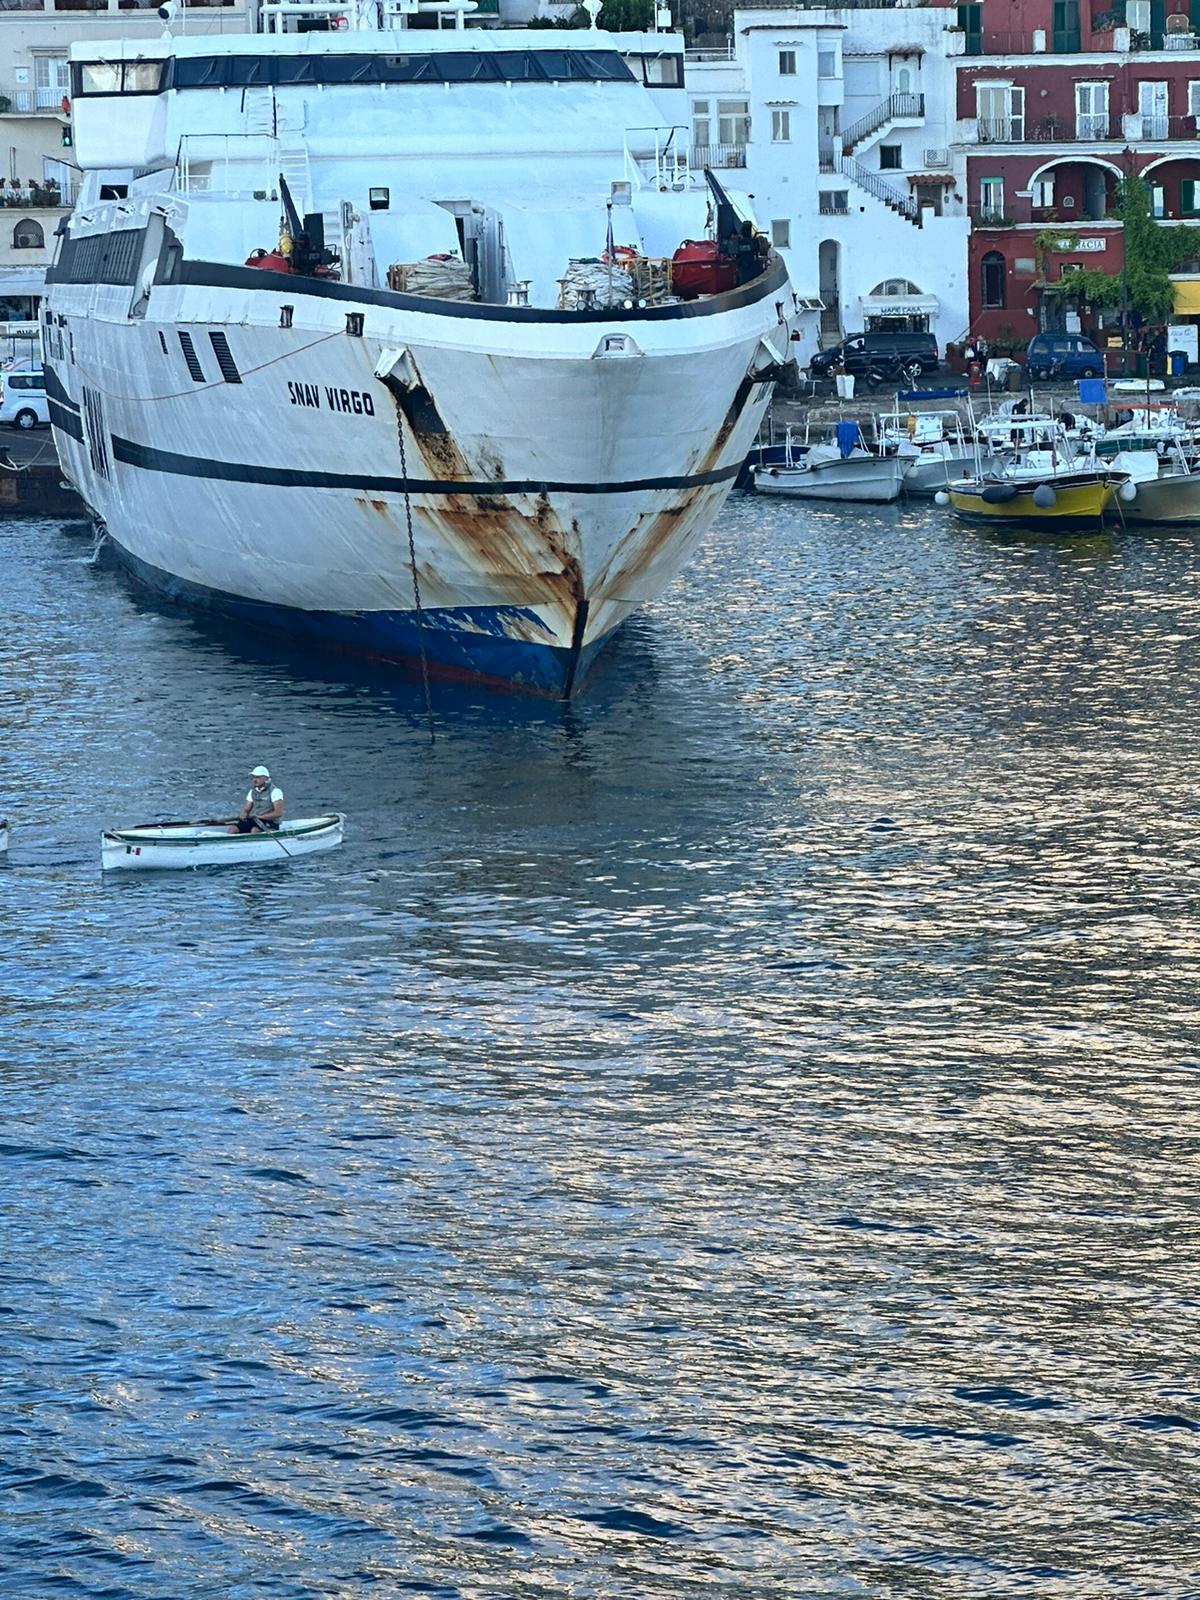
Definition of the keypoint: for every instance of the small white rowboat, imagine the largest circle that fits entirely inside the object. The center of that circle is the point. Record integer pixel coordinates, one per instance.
(171, 845)
(3, 838)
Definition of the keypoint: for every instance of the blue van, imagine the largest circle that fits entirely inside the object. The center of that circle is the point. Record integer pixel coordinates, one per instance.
(1065, 355)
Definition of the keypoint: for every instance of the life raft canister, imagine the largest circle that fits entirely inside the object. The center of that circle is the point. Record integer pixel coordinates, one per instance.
(698, 267)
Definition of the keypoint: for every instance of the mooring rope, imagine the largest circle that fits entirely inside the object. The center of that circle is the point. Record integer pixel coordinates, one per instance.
(412, 562)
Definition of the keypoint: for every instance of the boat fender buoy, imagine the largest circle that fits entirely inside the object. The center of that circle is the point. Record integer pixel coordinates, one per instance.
(1044, 497)
(941, 498)
(1128, 491)
(999, 494)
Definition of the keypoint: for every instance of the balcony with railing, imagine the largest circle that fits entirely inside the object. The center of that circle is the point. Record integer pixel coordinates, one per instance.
(718, 155)
(1086, 127)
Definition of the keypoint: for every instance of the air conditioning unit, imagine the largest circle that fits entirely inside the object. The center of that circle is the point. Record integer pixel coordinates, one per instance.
(936, 158)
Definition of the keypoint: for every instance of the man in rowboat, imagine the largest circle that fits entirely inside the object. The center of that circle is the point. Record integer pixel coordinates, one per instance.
(263, 807)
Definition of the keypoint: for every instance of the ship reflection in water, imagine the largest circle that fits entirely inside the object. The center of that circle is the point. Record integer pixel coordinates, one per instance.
(732, 1132)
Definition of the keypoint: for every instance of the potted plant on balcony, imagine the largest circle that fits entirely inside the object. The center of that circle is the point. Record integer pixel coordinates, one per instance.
(5, 104)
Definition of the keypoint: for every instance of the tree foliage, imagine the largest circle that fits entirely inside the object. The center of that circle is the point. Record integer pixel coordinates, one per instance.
(1152, 253)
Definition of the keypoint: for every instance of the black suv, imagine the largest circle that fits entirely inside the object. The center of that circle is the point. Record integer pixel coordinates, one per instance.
(862, 351)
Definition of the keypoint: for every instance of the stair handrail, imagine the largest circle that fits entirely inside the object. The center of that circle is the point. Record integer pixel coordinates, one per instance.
(896, 105)
(905, 204)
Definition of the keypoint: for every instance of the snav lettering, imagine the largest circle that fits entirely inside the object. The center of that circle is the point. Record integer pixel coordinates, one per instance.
(355, 402)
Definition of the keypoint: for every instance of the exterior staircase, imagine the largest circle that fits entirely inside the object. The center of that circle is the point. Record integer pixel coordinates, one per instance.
(904, 205)
(896, 108)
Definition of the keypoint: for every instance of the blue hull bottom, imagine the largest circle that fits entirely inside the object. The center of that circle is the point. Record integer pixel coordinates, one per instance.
(462, 643)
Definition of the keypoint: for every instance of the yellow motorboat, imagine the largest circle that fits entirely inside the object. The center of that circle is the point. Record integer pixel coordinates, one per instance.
(1065, 499)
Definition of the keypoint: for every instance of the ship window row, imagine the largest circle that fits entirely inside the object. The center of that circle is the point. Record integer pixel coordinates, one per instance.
(448, 66)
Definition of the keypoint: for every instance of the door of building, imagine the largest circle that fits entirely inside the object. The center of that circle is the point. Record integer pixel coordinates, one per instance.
(1152, 108)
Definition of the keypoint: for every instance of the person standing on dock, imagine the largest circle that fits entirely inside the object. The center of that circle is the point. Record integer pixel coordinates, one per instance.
(263, 807)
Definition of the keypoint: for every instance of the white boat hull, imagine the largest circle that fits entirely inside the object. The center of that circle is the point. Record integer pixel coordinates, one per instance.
(870, 479)
(177, 846)
(1174, 497)
(930, 471)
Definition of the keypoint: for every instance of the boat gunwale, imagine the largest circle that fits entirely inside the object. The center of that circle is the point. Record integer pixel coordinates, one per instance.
(191, 273)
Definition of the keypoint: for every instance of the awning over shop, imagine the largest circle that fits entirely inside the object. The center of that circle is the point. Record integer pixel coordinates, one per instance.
(930, 177)
(914, 305)
(1187, 297)
(22, 280)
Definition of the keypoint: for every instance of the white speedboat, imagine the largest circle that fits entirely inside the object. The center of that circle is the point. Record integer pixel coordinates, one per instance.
(417, 341)
(841, 471)
(175, 845)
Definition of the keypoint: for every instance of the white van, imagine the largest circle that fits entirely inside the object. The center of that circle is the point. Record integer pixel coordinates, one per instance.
(23, 397)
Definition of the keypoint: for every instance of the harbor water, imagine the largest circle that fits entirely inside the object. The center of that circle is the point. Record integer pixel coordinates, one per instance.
(735, 1136)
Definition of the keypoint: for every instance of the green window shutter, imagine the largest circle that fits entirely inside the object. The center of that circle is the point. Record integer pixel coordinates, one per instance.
(1187, 197)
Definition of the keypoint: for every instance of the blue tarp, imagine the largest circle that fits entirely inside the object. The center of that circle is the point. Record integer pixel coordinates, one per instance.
(847, 437)
(1092, 392)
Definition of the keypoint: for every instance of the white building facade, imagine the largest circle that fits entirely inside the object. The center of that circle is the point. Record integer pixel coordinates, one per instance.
(838, 122)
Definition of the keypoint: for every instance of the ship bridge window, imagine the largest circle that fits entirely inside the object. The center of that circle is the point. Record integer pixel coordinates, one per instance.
(444, 66)
(116, 77)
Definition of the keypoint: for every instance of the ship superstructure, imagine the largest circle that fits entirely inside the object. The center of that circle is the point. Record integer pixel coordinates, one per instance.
(374, 336)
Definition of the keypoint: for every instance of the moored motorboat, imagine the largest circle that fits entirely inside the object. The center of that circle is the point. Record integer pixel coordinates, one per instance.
(175, 845)
(1040, 475)
(845, 470)
(3, 838)
(1167, 490)
(932, 446)
(1068, 499)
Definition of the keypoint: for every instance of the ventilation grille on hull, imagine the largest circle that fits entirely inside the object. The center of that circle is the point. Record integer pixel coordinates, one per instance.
(224, 357)
(190, 356)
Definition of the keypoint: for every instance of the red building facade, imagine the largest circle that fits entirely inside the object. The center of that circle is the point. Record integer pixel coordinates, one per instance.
(1056, 101)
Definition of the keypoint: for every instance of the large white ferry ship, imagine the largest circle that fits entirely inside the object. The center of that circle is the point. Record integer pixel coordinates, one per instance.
(373, 335)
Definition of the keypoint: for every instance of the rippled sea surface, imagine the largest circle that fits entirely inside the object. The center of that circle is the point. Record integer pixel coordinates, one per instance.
(734, 1137)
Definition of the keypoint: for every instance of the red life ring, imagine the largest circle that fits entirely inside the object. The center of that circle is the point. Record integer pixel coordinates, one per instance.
(338, 23)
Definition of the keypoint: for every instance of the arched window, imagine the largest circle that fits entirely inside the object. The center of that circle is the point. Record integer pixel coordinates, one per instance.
(993, 271)
(904, 81)
(28, 235)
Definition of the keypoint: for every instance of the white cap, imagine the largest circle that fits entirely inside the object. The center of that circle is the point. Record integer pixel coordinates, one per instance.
(260, 772)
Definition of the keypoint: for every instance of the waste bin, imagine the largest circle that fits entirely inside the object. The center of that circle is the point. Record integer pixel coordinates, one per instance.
(845, 385)
(1016, 377)
(1141, 366)
(1177, 363)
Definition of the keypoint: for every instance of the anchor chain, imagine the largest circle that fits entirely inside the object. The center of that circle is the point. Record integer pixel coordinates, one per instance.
(412, 562)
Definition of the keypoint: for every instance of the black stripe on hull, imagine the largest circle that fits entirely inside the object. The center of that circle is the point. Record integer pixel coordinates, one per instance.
(154, 460)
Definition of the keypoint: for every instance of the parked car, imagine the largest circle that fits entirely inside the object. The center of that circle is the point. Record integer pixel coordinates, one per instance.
(23, 397)
(861, 350)
(1066, 355)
